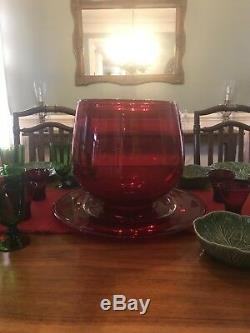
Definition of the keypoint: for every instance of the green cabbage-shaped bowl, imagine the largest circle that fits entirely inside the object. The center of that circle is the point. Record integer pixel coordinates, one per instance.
(225, 236)
(240, 169)
(194, 177)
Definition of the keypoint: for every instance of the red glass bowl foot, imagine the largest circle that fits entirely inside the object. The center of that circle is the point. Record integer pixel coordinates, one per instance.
(172, 213)
(127, 216)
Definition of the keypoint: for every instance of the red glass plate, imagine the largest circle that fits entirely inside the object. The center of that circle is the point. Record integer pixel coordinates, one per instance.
(72, 209)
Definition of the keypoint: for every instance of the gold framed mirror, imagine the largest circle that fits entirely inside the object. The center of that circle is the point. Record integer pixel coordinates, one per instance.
(131, 42)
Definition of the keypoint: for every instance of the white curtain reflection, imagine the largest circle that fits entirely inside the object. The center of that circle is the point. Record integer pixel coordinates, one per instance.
(5, 117)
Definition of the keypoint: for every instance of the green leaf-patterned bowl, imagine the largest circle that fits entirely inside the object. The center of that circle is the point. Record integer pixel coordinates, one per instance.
(225, 236)
(240, 169)
(194, 177)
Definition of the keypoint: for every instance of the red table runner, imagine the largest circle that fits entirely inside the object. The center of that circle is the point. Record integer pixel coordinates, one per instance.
(207, 197)
(43, 220)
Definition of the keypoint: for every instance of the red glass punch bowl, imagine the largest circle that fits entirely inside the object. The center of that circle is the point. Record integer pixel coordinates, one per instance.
(127, 154)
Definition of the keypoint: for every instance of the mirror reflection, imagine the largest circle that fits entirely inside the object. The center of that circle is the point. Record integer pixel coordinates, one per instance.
(129, 41)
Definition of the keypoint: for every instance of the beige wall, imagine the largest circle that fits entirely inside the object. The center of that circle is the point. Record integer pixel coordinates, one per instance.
(38, 42)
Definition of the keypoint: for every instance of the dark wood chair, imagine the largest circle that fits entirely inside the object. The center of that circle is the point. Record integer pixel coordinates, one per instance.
(224, 140)
(45, 132)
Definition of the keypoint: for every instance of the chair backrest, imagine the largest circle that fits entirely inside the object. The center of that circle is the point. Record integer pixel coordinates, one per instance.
(226, 139)
(41, 135)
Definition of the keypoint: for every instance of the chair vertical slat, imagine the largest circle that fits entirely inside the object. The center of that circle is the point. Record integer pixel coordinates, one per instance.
(68, 147)
(230, 144)
(61, 136)
(51, 140)
(220, 145)
(32, 151)
(16, 129)
(196, 131)
(230, 154)
(51, 134)
(241, 145)
(41, 145)
(62, 142)
(210, 148)
(225, 145)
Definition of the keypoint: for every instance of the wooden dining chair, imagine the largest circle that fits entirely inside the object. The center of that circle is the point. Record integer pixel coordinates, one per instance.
(227, 140)
(39, 136)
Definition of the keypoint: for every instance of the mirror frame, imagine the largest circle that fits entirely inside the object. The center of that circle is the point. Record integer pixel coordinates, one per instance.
(82, 79)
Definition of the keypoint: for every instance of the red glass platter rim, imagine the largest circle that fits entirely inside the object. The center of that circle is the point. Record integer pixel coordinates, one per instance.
(68, 210)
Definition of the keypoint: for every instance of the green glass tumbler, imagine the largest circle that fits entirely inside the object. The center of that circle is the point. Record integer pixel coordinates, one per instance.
(12, 159)
(60, 156)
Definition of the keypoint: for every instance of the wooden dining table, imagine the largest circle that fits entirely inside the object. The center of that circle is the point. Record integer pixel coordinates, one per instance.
(56, 284)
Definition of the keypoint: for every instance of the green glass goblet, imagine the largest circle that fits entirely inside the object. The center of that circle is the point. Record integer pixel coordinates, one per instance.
(60, 156)
(13, 205)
